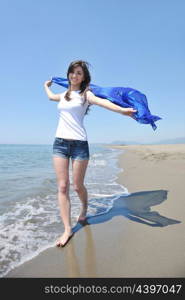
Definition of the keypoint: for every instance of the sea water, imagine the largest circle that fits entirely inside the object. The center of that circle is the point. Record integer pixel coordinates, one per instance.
(29, 213)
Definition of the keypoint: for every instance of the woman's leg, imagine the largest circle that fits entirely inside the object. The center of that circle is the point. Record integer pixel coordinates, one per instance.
(79, 168)
(61, 166)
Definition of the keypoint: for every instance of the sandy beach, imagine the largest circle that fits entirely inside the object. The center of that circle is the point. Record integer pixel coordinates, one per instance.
(141, 236)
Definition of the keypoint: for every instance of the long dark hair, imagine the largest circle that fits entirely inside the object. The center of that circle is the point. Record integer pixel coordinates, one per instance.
(85, 84)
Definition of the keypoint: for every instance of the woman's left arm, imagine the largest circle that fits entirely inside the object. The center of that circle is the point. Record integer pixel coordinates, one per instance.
(92, 99)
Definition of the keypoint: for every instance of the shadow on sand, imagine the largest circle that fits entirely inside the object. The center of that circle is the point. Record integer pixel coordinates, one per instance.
(136, 207)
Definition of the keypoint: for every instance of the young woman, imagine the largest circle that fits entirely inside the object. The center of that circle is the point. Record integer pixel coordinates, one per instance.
(71, 139)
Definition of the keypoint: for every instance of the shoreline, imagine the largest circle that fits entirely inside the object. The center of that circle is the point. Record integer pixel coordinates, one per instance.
(133, 239)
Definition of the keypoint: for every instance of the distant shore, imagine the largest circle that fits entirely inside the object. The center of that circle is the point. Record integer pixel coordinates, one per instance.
(142, 236)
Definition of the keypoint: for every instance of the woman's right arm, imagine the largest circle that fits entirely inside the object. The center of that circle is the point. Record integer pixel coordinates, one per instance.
(50, 94)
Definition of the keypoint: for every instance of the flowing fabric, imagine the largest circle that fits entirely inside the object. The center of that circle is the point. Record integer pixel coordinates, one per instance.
(122, 96)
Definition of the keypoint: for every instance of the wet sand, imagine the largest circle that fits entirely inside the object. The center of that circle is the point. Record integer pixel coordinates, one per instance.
(141, 236)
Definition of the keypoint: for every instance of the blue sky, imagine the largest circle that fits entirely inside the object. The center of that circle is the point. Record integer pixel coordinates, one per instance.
(130, 43)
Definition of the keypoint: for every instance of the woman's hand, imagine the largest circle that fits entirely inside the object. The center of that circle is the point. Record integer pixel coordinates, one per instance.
(48, 83)
(128, 111)
(50, 94)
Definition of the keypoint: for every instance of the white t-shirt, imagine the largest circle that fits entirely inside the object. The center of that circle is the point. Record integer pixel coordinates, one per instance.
(71, 115)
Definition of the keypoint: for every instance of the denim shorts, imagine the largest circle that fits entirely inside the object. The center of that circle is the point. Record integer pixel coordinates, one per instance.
(75, 149)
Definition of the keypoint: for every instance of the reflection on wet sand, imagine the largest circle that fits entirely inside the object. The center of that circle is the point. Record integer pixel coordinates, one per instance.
(86, 266)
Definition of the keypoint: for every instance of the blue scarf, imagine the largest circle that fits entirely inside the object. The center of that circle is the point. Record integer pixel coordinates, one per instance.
(122, 96)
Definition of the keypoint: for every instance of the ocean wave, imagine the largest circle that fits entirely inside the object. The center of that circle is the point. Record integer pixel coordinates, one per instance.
(31, 224)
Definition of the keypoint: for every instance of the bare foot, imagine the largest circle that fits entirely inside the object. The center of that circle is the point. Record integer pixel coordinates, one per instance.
(82, 216)
(64, 239)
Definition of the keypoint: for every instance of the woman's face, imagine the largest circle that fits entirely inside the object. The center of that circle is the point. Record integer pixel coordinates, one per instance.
(76, 76)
